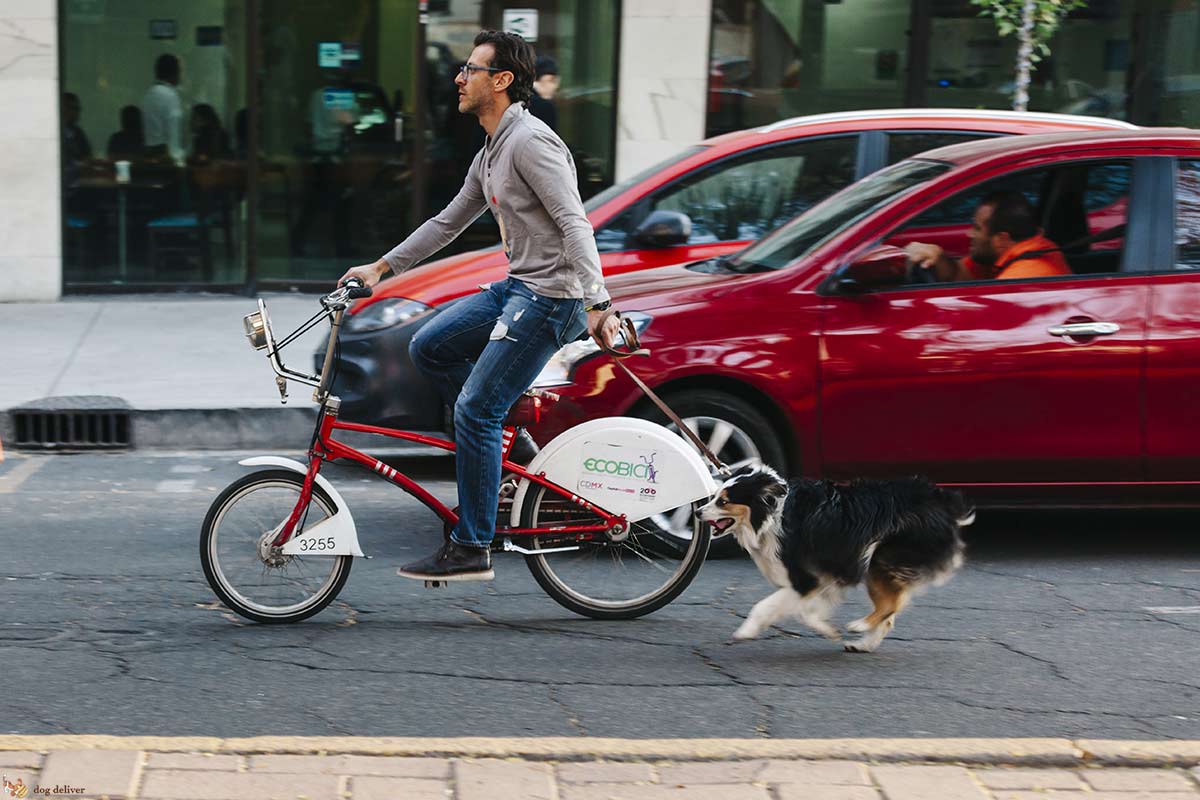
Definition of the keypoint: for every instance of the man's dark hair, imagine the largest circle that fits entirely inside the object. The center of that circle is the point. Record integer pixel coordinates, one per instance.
(1012, 213)
(166, 68)
(511, 53)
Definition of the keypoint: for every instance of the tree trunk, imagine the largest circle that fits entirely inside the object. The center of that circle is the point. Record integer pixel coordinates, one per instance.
(1024, 57)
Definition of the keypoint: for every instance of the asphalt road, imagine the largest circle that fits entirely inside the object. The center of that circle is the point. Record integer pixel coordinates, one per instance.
(1077, 625)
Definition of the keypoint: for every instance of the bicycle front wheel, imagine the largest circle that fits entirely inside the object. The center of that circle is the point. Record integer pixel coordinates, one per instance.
(243, 570)
(611, 580)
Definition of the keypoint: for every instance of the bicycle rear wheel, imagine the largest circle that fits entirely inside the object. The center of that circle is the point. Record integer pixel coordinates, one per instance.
(611, 580)
(258, 584)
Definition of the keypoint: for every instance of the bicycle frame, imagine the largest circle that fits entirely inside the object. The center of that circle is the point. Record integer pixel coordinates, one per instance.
(327, 449)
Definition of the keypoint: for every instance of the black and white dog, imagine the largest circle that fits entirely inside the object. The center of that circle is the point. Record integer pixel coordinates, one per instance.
(813, 539)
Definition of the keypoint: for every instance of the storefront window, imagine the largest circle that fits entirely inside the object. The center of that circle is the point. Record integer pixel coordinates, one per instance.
(359, 135)
(153, 163)
(774, 59)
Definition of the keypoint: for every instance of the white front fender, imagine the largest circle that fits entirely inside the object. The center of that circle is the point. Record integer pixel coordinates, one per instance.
(624, 465)
(315, 541)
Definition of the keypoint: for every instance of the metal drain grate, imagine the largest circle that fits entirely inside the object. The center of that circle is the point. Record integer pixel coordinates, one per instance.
(72, 423)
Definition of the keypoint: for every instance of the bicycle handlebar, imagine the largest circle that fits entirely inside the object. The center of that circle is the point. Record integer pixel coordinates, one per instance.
(352, 289)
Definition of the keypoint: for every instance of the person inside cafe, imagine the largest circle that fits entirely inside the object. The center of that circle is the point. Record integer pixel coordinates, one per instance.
(1005, 243)
(162, 111)
(75, 145)
(128, 143)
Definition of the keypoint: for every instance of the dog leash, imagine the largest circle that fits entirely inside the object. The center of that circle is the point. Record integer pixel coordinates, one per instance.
(634, 345)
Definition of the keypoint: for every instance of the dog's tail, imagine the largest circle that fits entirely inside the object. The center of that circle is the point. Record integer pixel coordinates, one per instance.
(967, 518)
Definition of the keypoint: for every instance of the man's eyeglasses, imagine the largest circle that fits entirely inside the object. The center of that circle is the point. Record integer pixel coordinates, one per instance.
(466, 69)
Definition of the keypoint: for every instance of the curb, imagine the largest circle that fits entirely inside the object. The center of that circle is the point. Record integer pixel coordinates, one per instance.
(1014, 752)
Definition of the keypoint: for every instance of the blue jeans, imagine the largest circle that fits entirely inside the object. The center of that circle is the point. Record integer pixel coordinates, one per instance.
(482, 353)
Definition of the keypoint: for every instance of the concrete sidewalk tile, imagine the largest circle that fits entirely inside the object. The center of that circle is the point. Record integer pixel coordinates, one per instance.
(97, 772)
(1112, 779)
(1138, 796)
(797, 791)
(493, 779)
(605, 772)
(635, 791)
(20, 758)
(378, 788)
(209, 761)
(710, 772)
(922, 782)
(1024, 778)
(173, 784)
(406, 767)
(1049, 794)
(815, 773)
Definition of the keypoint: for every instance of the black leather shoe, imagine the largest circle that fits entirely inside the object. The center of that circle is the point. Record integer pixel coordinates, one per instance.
(452, 562)
(524, 448)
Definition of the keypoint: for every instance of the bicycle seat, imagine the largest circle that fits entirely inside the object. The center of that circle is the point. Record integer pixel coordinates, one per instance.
(528, 408)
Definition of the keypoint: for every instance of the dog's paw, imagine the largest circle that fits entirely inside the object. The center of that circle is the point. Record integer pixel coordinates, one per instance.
(859, 626)
(745, 632)
(859, 646)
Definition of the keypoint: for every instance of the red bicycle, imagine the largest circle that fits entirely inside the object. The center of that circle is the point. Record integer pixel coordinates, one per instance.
(277, 545)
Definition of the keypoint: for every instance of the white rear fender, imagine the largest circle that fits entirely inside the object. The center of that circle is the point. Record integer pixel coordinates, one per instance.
(624, 465)
(333, 536)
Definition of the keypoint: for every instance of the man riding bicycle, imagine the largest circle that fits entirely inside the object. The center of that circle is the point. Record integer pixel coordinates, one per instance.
(485, 350)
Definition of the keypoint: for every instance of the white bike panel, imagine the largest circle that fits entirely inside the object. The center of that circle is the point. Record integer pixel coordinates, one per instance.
(624, 465)
(314, 541)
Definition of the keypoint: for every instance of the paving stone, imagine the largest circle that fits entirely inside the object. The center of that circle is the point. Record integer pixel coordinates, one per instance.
(709, 772)
(20, 758)
(605, 772)
(434, 768)
(815, 773)
(922, 782)
(97, 772)
(373, 787)
(634, 791)
(1137, 780)
(177, 784)
(494, 779)
(227, 763)
(1064, 795)
(1017, 778)
(795, 791)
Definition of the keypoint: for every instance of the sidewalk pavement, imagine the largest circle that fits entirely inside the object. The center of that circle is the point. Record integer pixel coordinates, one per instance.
(348, 768)
(181, 363)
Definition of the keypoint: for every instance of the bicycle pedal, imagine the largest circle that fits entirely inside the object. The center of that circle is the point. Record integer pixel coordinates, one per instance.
(435, 584)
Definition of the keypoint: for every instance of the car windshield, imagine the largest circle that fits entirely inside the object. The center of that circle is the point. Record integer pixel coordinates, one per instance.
(806, 231)
(597, 200)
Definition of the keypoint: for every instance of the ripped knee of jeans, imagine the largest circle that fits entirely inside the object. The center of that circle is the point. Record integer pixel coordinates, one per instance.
(500, 332)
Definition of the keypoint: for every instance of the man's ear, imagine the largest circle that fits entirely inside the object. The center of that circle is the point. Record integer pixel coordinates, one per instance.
(502, 81)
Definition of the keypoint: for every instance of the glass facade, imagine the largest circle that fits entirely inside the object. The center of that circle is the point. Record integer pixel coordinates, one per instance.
(298, 137)
(772, 59)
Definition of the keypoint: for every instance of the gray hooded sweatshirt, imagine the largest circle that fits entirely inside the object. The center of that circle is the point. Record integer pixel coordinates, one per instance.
(525, 175)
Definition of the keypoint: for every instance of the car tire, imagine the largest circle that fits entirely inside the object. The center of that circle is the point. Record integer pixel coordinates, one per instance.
(741, 433)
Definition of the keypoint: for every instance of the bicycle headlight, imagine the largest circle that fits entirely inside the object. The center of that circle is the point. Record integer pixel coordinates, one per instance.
(562, 364)
(384, 314)
(256, 330)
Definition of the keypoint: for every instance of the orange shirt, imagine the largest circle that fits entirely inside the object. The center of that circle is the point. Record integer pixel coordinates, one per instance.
(1013, 266)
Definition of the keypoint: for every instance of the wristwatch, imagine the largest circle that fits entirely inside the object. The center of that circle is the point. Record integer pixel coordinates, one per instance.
(601, 306)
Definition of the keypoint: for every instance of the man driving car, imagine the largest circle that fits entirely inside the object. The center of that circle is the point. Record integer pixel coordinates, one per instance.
(1006, 242)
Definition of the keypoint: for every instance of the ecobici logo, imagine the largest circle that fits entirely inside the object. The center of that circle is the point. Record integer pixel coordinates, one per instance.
(620, 468)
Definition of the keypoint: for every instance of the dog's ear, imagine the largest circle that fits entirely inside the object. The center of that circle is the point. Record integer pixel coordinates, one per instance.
(776, 493)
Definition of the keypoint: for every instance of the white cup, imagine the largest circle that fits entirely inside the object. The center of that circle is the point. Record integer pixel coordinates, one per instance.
(122, 171)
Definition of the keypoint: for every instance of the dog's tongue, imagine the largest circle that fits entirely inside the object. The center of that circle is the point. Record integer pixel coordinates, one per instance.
(722, 524)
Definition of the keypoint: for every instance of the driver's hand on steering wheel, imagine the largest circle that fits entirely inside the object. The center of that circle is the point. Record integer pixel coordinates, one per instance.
(608, 334)
(925, 256)
(369, 274)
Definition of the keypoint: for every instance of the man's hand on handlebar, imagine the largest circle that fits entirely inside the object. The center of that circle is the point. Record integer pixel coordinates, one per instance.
(369, 274)
(606, 335)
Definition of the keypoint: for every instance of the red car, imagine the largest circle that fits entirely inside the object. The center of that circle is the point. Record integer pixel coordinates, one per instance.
(711, 200)
(815, 351)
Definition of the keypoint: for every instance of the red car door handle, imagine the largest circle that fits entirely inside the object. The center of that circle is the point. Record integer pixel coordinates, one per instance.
(1084, 329)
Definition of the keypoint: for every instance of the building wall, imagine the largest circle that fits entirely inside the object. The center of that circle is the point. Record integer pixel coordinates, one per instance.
(662, 94)
(30, 224)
